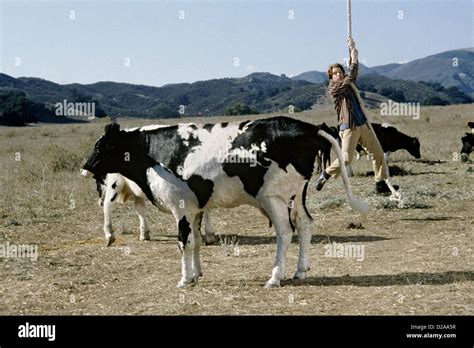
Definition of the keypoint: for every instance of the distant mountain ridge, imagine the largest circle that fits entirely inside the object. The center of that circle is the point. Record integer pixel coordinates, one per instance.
(258, 92)
(263, 92)
(449, 68)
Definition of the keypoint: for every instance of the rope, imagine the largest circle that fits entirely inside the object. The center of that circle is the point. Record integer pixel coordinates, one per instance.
(349, 19)
(349, 28)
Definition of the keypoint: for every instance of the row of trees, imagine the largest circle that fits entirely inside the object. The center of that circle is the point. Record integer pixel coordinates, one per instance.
(17, 110)
(450, 95)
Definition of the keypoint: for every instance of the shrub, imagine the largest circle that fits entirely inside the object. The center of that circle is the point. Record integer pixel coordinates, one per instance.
(240, 109)
(62, 159)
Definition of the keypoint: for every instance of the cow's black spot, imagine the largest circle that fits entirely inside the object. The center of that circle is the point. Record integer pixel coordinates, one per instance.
(193, 126)
(287, 140)
(202, 188)
(200, 222)
(243, 124)
(290, 205)
(208, 127)
(251, 177)
(166, 146)
(99, 182)
(184, 230)
(303, 198)
(114, 185)
(224, 124)
(114, 196)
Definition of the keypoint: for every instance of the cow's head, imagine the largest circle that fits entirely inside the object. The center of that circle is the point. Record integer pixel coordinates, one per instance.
(117, 152)
(414, 148)
(107, 153)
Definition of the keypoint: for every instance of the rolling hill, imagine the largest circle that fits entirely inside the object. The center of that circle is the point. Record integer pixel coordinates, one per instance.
(429, 81)
(449, 68)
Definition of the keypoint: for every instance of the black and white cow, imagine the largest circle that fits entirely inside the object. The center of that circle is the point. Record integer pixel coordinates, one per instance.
(115, 188)
(192, 168)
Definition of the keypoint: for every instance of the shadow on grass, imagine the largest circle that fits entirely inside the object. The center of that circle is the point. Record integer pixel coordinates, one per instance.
(371, 173)
(315, 239)
(430, 162)
(428, 173)
(387, 279)
(430, 218)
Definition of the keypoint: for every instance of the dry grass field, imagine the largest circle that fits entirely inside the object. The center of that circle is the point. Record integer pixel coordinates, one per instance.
(418, 258)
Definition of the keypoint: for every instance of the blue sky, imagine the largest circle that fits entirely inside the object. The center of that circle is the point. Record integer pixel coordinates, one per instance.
(41, 39)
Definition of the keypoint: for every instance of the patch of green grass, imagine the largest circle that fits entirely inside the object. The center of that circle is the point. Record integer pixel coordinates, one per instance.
(425, 192)
(407, 202)
(62, 159)
(331, 203)
(393, 169)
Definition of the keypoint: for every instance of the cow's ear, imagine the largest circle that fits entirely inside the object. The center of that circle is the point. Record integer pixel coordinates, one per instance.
(112, 128)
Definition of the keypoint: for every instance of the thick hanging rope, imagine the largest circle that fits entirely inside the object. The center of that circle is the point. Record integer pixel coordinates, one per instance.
(349, 19)
(349, 26)
(395, 195)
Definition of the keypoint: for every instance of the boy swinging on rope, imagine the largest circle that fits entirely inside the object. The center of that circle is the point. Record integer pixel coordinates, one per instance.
(354, 127)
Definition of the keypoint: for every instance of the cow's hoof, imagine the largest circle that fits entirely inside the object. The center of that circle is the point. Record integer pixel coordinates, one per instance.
(186, 283)
(299, 275)
(110, 240)
(271, 285)
(146, 236)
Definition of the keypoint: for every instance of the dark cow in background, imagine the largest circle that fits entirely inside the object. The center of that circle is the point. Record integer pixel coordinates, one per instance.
(467, 143)
(192, 168)
(323, 159)
(391, 140)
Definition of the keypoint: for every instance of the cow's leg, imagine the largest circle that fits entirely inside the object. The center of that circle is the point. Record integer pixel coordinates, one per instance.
(350, 172)
(277, 209)
(108, 204)
(209, 236)
(140, 209)
(186, 245)
(303, 223)
(197, 245)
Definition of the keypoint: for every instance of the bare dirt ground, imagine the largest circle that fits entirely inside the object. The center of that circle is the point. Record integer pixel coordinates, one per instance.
(418, 258)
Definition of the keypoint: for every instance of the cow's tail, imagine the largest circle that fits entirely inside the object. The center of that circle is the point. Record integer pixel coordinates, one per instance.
(355, 203)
